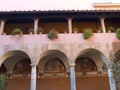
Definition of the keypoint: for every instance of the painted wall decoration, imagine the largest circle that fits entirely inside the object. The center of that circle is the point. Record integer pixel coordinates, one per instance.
(54, 65)
(22, 67)
(84, 64)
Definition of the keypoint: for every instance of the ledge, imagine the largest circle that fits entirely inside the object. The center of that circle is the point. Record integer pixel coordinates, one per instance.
(63, 38)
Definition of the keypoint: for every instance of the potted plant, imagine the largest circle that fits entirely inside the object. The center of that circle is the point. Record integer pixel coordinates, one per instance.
(2, 82)
(31, 31)
(17, 31)
(40, 30)
(118, 33)
(75, 30)
(110, 29)
(99, 30)
(87, 33)
(53, 34)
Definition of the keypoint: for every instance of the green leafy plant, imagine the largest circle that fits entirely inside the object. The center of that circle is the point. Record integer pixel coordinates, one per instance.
(75, 30)
(40, 30)
(118, 33)
(17, 31)
(2, 82)
(53, 34)
(111, 28)
(31, 31)
(116, 68)
(87, 33)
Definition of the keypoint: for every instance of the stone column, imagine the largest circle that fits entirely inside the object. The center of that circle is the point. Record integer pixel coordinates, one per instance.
(33, 77)
(69, 25)
(2, 26)
(36, 21)
(102, 25)
(72, 77)
(111, 80)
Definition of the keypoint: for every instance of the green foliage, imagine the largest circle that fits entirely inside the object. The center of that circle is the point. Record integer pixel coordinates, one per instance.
(2, 82)
(118, 33)
(76, 29)
(52, 34)
(17, 31)
(116, 68)
(40, 29)
(87, 33)
(31, 30)
(111, 28)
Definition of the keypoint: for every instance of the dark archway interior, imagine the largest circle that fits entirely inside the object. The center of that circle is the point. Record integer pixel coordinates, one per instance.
(22, 67)
(3, 69)
(85, 64)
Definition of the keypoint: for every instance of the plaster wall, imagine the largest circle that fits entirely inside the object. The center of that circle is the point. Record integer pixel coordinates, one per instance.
(35, 45)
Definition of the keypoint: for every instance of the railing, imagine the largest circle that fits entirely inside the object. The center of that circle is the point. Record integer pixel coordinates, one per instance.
(62, 38)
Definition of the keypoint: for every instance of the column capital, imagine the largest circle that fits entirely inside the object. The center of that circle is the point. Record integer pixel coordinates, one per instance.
(36, 19)
(72, 64)
(103, 18)
(69, 19)
(33, 65)
(2, 20)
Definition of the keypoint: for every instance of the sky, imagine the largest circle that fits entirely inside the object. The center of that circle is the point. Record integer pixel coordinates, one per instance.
(6, 5)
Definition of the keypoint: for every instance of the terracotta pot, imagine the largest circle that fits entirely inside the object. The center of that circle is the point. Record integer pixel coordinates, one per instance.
(109, 31)
(30, 33)
(99, 31)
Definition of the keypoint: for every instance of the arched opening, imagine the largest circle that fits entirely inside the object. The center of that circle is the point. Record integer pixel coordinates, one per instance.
(91, 70)
(53, 69)
(22, 69)
(85, 65)
(18, 69)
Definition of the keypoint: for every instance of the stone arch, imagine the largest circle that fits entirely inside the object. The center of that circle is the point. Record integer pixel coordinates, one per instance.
(10, 58)
(99, 59)
(52, 54)
(97, 56)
